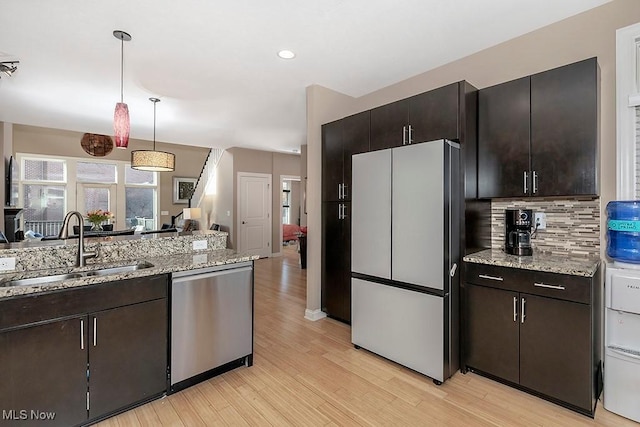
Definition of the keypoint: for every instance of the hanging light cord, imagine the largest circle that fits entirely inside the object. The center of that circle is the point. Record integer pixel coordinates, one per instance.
(121, 68)
(154, 125)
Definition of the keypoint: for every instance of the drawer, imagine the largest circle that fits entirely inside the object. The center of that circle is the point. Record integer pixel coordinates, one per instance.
(560, 286)
(39, 307)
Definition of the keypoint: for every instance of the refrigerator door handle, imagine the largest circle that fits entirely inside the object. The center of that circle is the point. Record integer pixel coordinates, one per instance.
(452, 272)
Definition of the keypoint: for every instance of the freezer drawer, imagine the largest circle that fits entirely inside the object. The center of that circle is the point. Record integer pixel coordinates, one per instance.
(401, 325)
(622, 382)
(211, 320)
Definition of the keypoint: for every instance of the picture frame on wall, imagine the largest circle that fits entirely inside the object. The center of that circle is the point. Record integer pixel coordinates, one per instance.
(183, 188)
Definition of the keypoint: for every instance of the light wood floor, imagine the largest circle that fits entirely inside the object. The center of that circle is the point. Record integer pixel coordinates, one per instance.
(308, 374)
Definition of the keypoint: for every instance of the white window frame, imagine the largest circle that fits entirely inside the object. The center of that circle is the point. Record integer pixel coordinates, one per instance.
(627, 99)
(70, 181)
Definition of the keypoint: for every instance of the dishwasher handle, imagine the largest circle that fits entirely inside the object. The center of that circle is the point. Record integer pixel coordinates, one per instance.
(182, 277)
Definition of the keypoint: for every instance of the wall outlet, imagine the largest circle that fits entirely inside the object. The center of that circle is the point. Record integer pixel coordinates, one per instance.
(199, 245)
(200, 259)
(541, 221)
(164, 213)
(7, 264)
(228, 213)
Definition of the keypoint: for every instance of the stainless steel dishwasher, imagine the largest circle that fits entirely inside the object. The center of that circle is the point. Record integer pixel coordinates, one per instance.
(211, 322)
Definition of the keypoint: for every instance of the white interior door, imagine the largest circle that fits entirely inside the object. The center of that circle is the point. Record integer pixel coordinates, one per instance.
(254, 220)
(97, 196)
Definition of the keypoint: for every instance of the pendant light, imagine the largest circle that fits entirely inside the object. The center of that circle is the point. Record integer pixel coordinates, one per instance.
(152, 160)
(121, 124)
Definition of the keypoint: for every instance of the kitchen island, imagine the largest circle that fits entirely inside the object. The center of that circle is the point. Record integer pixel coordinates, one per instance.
(95, 340)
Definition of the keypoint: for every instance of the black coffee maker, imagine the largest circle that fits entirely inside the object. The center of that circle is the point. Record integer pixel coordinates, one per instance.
(517, 233)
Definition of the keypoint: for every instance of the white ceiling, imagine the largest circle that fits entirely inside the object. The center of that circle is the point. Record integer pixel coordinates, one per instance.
(214, 63)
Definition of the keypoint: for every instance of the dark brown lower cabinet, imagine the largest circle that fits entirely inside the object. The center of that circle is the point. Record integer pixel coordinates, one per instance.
(336, 260)
(555, 344)
(493, 334)
(537, 331)
(82, 354)
(44, 369)
(127, 356)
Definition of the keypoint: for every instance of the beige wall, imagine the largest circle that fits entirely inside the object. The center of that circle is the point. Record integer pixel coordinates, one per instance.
(583, 36)
(295, 207)
(2, 168)
(303, 178)
(236, 160)
(189, 160)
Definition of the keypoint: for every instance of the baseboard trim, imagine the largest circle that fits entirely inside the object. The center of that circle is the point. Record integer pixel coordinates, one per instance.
(314, 315)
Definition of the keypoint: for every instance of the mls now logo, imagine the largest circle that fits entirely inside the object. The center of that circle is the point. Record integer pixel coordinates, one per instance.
(23, 414)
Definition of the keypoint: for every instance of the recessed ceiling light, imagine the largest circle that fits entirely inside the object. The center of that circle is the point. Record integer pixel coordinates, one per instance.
(286, 54)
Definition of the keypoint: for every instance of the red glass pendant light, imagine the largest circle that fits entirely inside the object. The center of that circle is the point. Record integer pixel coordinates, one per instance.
(121, 123)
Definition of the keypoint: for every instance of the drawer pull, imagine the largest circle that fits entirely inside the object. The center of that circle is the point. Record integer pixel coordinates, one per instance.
(484, 276)
(544, 285)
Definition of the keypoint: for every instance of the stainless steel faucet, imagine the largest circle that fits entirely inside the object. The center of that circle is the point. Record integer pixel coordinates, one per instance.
(81, 256)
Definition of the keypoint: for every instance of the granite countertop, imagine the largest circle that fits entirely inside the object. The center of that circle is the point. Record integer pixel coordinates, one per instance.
(574, 265)
(161, 265)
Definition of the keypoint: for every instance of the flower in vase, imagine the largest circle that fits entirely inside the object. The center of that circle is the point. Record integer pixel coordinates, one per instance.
(98, 216)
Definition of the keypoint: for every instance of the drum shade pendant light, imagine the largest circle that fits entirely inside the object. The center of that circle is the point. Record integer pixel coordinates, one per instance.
(152, 160)
(121, 124)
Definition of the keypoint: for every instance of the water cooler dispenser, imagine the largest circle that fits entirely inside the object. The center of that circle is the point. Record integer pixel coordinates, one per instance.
(622, 312)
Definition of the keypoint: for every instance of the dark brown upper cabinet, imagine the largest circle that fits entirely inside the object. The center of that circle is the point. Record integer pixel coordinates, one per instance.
(424, 117)
(340, 140)
(564, 130)
(503, 139)
(538, 135)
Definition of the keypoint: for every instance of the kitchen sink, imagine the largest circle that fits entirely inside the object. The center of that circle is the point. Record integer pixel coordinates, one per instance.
(44, 279)
(116, 270)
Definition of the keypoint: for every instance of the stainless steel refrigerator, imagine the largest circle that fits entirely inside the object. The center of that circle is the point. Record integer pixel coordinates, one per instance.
(405, 255)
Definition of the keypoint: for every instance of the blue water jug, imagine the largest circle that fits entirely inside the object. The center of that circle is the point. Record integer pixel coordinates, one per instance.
(623, 231)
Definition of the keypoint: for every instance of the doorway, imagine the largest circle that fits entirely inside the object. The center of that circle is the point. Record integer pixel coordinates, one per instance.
(254, 218)
(290, 210)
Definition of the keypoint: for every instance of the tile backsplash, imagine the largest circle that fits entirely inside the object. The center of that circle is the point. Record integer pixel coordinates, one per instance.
(573, 226)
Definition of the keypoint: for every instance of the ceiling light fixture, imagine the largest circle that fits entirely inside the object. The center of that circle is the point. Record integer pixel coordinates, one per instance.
(9, 67)
(152, 160)
(286, 54)
(121, 124)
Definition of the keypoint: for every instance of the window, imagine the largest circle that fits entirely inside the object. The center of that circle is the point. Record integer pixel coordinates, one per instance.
(50, 187)
(286, 202)
(628, 112)
(140, 199)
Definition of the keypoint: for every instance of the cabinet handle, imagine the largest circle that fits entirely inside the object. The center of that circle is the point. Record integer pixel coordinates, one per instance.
(544, 285)
(526, 186)
(484, 276)
(515, 309)
(344, 211)
(404, 135)
(522, 310)
(410, 132)
(340, 211)
(344, 191)
(339, 191)
(95, 331)
(452, 272)
(81, 334)
(535, 182)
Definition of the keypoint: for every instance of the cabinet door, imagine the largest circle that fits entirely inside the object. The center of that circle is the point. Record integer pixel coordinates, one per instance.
(336, 261)
(503, 140)
(332, 160)
(564, 130)
(492, 331)
(434, 114)
(127, 355)
(355, 137)
(44, 368)
(387, 123)
(371, 214)
(555, 349)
